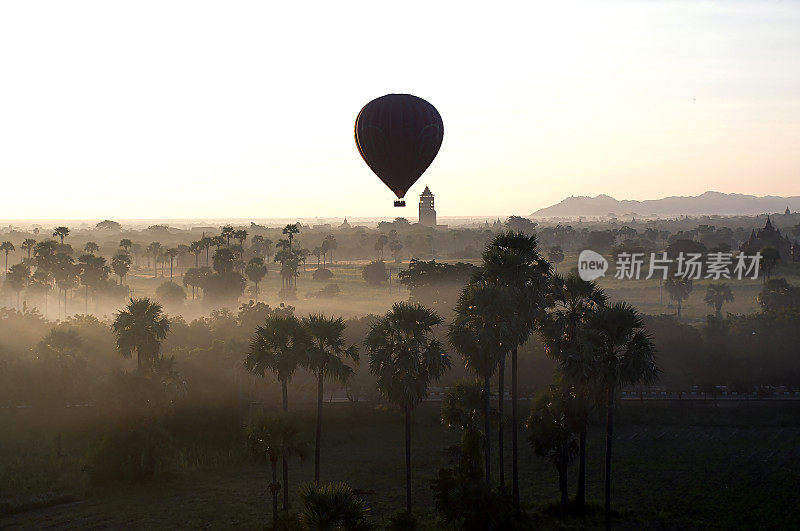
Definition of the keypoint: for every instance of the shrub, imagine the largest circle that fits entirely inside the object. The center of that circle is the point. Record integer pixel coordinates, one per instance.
(331, 290)
(322, 274)
(375, 273)
(133, 450)
(170, 294)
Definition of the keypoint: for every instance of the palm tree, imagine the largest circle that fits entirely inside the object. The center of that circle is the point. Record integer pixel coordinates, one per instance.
(196, 248)
(227, 233)
(141, 326)
(570, 302)
(28, 244)
(6, 247)
(621, 352)
(679, 289)
(154, 250)
(126, 244)
(91, 248)
(512, 260)
(718, 294)
(550, 433)
(277, 346)
(290, 230)
(332, 244)
(18, 278)
(325, 357)
(405, 357)
(240, 235)
(479, 332)
(273, 438)
(255, 271)
(61, 232)
(333, 506)
(121, 264)
(171, 253)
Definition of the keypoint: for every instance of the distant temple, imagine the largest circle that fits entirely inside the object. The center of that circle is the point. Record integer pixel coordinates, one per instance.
(769, 236)
(427, 214)
(788, 212)
(345, 225)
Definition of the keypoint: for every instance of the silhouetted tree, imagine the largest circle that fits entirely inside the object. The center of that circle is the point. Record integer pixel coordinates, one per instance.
(121, 264)
(679, 289)
(273, 438)
(718, 294)
(255, 271)
(61, 233)
(278, 346)
(141, 327)
(6, 247)
(405, 356)
(325, 357)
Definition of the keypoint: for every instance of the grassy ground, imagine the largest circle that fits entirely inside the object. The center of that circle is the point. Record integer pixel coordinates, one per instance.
(676, 466)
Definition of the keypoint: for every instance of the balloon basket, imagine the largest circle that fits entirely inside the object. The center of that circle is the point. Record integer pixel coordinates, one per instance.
(400, 203)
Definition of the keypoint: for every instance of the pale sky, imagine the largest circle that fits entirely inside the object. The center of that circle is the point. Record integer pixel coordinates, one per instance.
(237, 109)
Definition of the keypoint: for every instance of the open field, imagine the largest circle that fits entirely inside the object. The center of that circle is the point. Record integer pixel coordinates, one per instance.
(676, 466)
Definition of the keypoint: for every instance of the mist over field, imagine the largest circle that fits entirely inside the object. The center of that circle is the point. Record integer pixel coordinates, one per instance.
(96, 411)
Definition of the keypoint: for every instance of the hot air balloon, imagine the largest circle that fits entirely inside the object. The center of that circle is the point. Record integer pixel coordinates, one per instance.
(398, 136)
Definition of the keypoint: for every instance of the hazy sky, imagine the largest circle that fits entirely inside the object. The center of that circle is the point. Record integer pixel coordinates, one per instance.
(238, 109)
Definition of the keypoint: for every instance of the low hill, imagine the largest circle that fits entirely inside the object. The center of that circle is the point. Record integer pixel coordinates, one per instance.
(708, 203)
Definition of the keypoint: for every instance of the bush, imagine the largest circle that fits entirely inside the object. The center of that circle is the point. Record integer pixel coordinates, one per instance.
(322, 274)
(375, 273)
(170, 294)
(331, 290)
(133, 450)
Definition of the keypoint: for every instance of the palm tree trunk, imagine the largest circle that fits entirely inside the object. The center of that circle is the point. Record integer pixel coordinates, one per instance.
(408, 459)
(500, 396)
(86, 302)
(580, 497)
(609, 434)
(514, 443)
(487, 431)
(319, 428)
(285, 396)
(274, 490)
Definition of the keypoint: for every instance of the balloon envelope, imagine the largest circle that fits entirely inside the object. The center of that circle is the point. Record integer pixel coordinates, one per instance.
(398, 136)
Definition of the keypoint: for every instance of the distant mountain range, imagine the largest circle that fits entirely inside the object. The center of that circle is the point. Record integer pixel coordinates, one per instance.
(708, 203)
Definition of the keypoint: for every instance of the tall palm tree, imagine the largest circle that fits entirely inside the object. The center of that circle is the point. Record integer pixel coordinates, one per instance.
(91, 247)
(227, 233)
(277, 346)
(154, 250)
(480, 333)
(570, 303)
(121, 264)
(28, 244)
(255, 270)
(406, 357)
(273, 438)
(718, 294)
(6, 247)
(240, 235)
(512, 260)
(61, 232)
(18, 278)
(171, 253)
(325, 357)
(126, 244)
(141, 326)
(290, 230)
(622, 353)
(679, 289)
